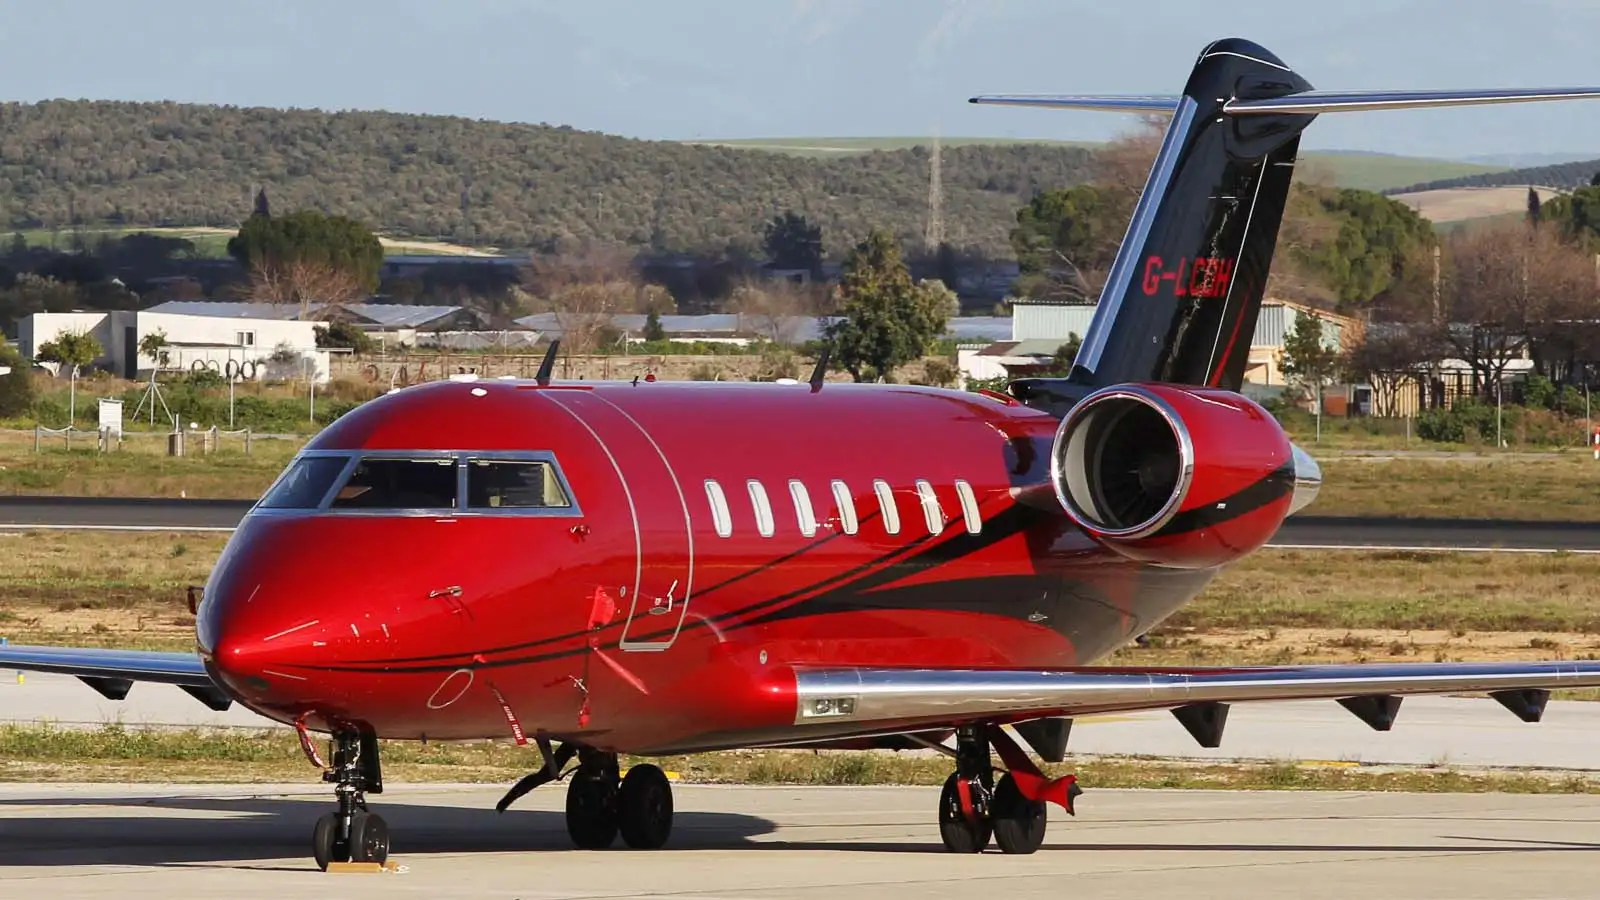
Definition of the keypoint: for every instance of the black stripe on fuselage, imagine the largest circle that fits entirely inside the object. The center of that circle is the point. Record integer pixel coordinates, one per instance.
(836, 589)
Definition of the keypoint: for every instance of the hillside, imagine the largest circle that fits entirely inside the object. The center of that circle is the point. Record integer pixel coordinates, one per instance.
(1444, 206)
(1563, 176)
(509, 185)
(1342, 168)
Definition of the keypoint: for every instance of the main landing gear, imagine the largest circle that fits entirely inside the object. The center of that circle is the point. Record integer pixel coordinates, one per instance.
(973, 807)
(601, 803)
(353, 834)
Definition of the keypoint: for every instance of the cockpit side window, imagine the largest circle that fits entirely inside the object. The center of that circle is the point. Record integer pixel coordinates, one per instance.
(520, 484)
(379, 483)
(305, 484)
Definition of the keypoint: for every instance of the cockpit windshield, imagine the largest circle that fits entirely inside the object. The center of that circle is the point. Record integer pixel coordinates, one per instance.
(504, 483)
(426, 482)
(378, 483)
(305, 484)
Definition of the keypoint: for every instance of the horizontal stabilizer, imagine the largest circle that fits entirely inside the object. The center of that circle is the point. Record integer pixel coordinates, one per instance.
(1302, 103)
(1316, 102)
(1115, 102)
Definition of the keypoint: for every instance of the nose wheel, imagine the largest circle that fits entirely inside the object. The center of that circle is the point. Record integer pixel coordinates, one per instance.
(600, 805)
(353, 833)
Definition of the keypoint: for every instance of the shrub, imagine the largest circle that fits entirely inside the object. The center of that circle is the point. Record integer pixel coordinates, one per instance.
(17, 393)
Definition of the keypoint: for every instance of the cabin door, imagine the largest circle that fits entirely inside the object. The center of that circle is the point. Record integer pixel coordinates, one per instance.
(658, 598)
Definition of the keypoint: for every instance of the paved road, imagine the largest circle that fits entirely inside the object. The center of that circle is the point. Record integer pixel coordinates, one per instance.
(1301, 531)
(1467, 732)
(729, 843)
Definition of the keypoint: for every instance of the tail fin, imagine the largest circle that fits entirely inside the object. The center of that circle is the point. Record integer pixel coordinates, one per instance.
(1181, 300)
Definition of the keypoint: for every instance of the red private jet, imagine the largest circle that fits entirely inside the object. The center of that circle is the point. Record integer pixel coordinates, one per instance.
(655, 568)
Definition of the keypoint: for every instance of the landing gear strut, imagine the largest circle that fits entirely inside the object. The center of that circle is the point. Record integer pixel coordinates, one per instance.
(602, 804)
(353, 834)
(973, 807)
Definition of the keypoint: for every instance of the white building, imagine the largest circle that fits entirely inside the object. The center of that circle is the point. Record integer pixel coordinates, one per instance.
(230, 345)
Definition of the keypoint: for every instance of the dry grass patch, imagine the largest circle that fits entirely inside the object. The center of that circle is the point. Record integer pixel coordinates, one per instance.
(1548, 487)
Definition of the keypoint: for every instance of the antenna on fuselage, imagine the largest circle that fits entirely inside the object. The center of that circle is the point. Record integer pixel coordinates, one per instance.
(821, 371)
(548, 365)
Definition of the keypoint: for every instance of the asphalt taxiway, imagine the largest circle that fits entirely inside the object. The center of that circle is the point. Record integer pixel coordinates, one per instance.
(729, 843)
(1299, 532)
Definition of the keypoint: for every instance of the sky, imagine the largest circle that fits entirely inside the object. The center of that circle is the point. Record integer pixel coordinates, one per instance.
(709, 69)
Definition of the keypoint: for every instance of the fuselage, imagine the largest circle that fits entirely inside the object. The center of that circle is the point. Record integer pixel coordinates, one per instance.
(630, 565)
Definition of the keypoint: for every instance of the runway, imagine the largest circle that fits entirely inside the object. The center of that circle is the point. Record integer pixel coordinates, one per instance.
(1300, 532)
(771, 843)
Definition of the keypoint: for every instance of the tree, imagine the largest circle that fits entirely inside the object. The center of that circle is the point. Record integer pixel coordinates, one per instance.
(887, 321)
(652, 327)
(1307, 360)
(778, 309)
(586, 290)
(302, 282)
(793, 242)
(72, 350)
(1533, 206)
(309, 250)
(1065, 241)
(1373, 237)
(1389, 356)
(16, 386)
(343, 335)
(154, 346)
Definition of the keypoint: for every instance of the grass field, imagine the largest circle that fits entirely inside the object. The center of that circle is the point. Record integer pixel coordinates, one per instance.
(117, 754)
(128, 590)
(1547, 486)
(1446, 206)
(1369, 171)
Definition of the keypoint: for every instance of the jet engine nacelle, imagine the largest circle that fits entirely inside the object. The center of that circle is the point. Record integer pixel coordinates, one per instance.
(1178, 476)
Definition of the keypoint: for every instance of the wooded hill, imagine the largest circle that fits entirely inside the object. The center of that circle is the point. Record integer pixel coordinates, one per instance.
(1565, 176)
(507, 185)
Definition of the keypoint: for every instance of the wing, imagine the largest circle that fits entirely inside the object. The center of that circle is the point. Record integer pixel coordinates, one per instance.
(862, 701)
(113, 672)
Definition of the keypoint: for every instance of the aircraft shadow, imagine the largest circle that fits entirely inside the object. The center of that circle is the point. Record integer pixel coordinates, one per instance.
(221, 830)
(191, 831)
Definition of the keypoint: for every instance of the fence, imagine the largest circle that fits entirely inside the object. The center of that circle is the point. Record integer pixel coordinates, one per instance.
(109, 440)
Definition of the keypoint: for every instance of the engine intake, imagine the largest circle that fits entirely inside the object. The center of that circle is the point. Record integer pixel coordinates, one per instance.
(1178, 476)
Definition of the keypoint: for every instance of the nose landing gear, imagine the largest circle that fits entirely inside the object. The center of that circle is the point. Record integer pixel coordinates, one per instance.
(353, 833)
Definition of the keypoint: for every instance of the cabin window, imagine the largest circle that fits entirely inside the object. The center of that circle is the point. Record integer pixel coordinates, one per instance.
(305, 483)
(379, 483)
(847, 507)
(802, 508)
(891, 515)
(931, 512)
(969, 507)
(720, 516)
(758, 499)
(513, 484)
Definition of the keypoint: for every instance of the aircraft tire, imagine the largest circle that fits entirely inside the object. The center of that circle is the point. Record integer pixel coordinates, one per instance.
(592, 811)
(1019, 823)
(959, 834)
(325, 844)
(369, 838)
(644, 807)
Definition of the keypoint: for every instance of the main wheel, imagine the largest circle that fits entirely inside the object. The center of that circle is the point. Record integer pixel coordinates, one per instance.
(960, 834)
(369, 838)
(644, 807)
(592, 811)
(325, 844)
(1019, 823)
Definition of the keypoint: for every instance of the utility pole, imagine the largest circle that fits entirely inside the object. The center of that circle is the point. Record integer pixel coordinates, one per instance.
(933, 236)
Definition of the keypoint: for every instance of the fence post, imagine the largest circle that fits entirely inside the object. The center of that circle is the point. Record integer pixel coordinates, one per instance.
(247, 442)
(36, 434)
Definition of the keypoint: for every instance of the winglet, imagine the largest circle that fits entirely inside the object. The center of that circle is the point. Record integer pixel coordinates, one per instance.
(548, 365)
(820, 373)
